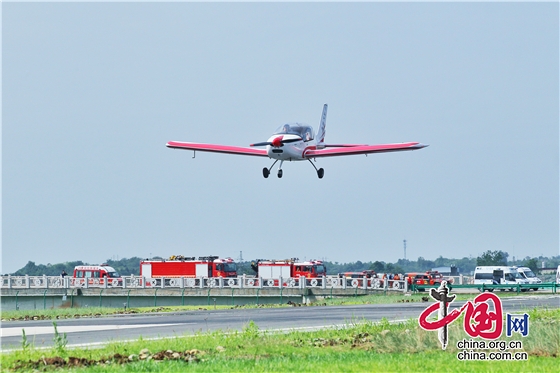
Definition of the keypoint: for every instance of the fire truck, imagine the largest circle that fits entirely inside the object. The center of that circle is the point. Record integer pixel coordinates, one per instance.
(96, 274)
(181, 266)
(286, 268)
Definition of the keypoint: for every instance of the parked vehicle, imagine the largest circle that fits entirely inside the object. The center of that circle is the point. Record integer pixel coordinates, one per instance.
(180, 266)
(529, 275)
(97, 274)
(288, 268)
(428, 278)
(498, 275)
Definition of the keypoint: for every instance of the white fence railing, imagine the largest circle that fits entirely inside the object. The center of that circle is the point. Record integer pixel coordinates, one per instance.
(241, 282)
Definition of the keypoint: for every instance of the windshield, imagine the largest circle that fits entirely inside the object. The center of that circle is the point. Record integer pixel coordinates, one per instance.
(512, 276)
(529, 274)
(113, 274)
(303, 131)
(320, 269)
(230, 267)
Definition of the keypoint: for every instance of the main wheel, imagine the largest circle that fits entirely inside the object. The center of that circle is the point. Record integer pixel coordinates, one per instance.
(266, 172)
(320, 173)
(280, 173)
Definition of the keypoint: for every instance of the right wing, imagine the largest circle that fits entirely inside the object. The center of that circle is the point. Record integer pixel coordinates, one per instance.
(351, 149)
(217, 148)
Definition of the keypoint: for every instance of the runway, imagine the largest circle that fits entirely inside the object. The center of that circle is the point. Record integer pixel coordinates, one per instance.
(98, 331)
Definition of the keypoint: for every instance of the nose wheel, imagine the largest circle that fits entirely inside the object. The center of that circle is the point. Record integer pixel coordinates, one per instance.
(280, 173)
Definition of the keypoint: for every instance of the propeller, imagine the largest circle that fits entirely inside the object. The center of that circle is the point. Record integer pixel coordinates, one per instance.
(277, 142)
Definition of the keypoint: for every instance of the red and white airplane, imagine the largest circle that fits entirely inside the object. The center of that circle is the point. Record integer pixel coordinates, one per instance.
(297, 142)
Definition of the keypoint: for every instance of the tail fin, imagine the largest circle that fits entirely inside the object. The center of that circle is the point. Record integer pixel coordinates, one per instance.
(321, 131)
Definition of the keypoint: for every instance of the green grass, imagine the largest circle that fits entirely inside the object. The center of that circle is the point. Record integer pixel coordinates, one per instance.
(379, 298)
(359, 347)
(351, 361)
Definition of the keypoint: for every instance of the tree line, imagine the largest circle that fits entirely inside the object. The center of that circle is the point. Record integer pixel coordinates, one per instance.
(131, 266)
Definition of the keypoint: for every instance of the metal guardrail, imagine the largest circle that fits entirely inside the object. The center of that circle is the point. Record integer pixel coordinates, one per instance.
(485, 287)
(240, 282)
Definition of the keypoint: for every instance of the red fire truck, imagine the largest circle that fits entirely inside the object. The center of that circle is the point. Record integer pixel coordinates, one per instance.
(180, 266)
(274, 269)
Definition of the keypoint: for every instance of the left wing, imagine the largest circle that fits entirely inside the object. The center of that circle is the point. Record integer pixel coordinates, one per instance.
(329, 151)
(217, 148)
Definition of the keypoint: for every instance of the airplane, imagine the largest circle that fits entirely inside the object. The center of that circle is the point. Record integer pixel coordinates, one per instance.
(297, 142)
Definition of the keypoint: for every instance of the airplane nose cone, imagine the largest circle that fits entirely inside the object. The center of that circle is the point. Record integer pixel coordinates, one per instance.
(277, 142)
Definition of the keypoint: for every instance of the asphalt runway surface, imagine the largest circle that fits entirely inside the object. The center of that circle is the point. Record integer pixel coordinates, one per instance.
(91, 332)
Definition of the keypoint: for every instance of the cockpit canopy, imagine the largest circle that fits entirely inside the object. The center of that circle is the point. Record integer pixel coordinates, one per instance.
(302, 130)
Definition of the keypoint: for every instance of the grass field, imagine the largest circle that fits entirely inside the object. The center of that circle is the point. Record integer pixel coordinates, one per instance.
(360, 347)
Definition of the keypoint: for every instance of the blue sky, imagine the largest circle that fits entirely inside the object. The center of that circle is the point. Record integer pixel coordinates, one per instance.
(91, 92)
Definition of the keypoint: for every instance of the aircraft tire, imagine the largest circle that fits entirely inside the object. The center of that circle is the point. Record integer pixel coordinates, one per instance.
(279, 174)
(320, 173)
(266, 172)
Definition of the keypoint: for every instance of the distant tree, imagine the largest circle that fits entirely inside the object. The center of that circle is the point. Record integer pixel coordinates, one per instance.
(389, 268)
(30, 267)
(49, 270)
(489, 258)
(425, 265)
(553, 262)
(465, 265)
(377, 266)
(334, 268)
(358, 266)
(532, 263)
(398, 269)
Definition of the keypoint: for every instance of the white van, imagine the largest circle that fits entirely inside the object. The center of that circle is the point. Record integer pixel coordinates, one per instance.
(529, 275)
(498, 275)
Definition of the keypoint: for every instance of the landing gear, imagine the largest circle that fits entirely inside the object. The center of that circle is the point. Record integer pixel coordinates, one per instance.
(320, 172)
(280, 169)
(266, 171)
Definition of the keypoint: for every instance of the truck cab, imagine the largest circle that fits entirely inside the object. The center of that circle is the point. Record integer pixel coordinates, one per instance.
(311, 269)
(97, 274)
